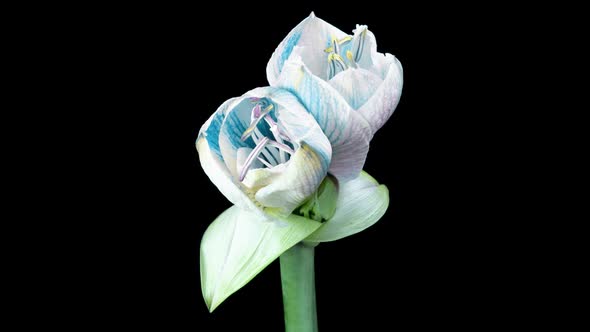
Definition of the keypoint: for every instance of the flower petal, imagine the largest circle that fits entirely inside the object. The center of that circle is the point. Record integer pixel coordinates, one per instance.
(384, 100)
(313, 35)
(237, 246)
(364, 47)
(361, 203)
(347, 131)
(356, 85)
(297, 181)
(211, 128)
(220, 176)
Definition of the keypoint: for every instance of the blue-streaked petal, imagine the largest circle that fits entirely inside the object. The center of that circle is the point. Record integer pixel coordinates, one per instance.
(356, 85)
(361, 203)
(313, 35)
(238, 245)
(347, 131)
(384, 100)
(211, 128)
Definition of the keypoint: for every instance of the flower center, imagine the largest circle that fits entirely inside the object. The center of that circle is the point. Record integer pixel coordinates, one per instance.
(272, 149)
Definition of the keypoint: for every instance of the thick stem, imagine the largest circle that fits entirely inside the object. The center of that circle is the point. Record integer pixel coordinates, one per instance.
(298, 280)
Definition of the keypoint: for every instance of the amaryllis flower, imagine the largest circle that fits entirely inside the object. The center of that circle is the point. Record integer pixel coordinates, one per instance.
(349, 87)
(264, 151)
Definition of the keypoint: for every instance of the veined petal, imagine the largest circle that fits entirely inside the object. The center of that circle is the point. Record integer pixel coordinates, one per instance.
(356, 85)
(220, 176)
(211, 128)
(237, 246)
(313, 35)
(298, 180)
(384, 100)
(361, 203)
(347, 131)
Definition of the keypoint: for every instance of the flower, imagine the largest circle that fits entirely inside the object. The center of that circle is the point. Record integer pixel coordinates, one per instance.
(349, 87)
(264, 151)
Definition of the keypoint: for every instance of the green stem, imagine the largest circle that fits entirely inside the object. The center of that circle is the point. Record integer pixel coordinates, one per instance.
(298, 280)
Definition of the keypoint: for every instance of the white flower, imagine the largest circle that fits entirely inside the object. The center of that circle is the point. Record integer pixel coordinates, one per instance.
(349, 88)
(264, 151)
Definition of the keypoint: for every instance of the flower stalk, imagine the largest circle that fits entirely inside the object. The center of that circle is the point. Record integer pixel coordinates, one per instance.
(298, 283)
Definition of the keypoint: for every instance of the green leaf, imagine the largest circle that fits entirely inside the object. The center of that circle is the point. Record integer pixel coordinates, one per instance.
(327, 198)
(321, 206)
(238, 245)
(361, 203)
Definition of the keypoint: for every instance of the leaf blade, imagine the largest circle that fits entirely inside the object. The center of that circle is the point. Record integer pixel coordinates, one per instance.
(238, 245)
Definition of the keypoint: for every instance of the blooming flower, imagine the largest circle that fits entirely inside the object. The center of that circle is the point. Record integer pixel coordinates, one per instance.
(264, 151)
(349, 87)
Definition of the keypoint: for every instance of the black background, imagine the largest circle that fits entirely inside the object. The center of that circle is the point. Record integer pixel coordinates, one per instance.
(157, 73)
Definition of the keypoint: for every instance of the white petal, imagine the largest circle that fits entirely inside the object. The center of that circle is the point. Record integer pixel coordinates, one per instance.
(347, 131)
(361, 203)
(356, 85)
(313, 35)
(219, 175)
(384, 100)
(300, 178)
(364, 47)
(237, 246)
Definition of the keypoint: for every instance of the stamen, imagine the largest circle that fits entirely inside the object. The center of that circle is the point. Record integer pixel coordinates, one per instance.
(336, 64)
(335, 46)
(251, 157)
(344, 40)
(274, 129)
(257, 119)
(281, 146)
(279, 134)
(266, 163)
(270, 157)
(351, 59)
(271, 122)
(268, 152)
(341, 41)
